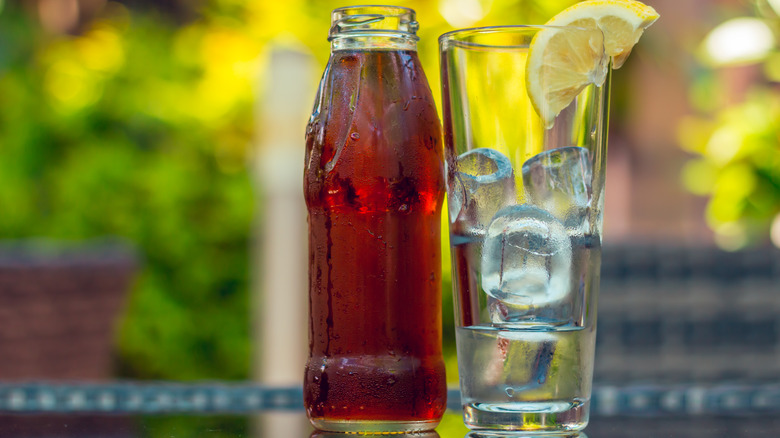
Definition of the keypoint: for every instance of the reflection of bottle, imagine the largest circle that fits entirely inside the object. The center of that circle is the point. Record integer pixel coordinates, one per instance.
(374, 187)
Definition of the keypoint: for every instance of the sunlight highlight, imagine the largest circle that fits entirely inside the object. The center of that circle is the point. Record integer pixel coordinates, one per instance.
(737, 41)
(464, 13)
(775, 232)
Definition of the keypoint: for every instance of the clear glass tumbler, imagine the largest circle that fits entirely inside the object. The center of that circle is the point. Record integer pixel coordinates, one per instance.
(525, 208)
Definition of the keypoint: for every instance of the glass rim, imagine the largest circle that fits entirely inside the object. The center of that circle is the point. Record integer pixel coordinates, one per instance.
(453, 35)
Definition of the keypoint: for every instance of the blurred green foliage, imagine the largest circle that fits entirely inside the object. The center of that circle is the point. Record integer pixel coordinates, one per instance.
(100, 136)
(738, 168)
(139, 123)
(736, 145)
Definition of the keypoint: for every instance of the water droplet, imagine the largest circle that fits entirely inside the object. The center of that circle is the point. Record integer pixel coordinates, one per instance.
(354, 136)
(406, 105)
(403, 207)
(390, 381)
(510, 391)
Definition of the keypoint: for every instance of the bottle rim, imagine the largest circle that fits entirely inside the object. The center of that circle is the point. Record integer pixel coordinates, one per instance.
(409, 11)
(373, 20)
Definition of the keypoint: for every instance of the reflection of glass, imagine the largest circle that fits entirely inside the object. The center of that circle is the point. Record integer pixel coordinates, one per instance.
(505, 434)
(320, 434)
(525, 206)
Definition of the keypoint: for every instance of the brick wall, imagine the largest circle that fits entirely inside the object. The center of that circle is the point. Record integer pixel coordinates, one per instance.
(688, 314)
(58, 310)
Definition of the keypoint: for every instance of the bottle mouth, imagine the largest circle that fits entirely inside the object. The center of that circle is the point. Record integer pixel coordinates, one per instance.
(376, 20)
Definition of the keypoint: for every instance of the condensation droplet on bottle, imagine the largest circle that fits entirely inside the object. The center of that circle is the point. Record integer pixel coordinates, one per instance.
(354, 136)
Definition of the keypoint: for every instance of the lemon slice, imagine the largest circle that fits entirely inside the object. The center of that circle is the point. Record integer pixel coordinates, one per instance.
(621, 21)
(562, 62)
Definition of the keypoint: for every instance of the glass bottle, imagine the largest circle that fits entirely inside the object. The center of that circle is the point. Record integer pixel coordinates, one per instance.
(374, 186)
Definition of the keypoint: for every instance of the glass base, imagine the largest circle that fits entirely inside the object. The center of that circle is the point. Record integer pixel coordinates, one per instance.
(533, 417)
(373, 426)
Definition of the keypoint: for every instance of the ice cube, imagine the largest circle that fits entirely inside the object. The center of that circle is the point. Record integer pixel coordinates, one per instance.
(526, 259)
(559, 181)
(482, 184)
(455, 197)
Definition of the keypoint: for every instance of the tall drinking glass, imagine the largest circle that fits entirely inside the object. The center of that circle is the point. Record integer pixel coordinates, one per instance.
(525, 208)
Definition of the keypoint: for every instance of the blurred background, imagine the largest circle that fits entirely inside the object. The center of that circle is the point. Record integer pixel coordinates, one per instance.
(151, 152)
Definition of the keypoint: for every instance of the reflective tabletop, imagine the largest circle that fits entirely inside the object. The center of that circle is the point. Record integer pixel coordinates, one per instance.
(218, 409)
(295, 425)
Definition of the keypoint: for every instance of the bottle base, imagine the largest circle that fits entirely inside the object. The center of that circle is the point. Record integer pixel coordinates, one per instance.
(373, 426)
(528, 417)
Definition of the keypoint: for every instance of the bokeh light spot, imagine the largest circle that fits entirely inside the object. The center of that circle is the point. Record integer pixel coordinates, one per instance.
(731, 236)
(775, 231)
(463, 13)
(101, 50)
(739, 40)
(71, 86)
(699, 176)
(724, 144)
(736, 182)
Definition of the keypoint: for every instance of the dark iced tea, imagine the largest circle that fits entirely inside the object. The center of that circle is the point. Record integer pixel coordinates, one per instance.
(374, 188)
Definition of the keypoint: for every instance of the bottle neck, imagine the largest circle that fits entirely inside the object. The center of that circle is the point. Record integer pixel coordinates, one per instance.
(373, 42)
(373, 28)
